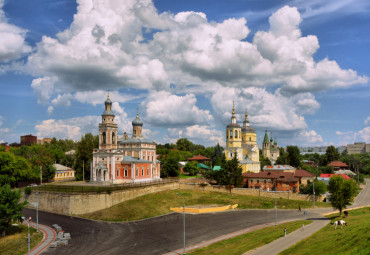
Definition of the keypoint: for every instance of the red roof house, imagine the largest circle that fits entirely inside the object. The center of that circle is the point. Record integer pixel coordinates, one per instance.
(199, 158)
(337, 165)
(331, 175)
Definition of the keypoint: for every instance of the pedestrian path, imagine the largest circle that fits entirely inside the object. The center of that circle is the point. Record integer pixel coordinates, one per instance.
(49, 237)
(284, 243)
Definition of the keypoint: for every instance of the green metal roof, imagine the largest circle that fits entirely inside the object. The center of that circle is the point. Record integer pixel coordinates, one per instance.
(200, 165)
(216, 168)
(266, 138)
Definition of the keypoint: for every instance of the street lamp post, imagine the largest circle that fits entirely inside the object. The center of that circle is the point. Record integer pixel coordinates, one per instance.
(183, 207)
(37, 212)
(314, 193)
(29, 241)
(275, 203)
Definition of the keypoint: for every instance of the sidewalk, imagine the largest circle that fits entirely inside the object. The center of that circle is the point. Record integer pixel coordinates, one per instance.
(49, 237)
(284, 243)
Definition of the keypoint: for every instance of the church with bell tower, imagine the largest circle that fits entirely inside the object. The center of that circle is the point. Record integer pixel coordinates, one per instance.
(123, 159)
(242, 142)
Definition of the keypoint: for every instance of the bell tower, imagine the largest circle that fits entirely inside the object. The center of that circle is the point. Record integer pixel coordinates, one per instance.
(107, 128)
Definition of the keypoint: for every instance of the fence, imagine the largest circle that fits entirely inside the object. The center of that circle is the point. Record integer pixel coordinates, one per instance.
(101, 188)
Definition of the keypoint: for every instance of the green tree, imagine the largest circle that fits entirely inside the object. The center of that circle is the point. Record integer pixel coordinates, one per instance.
(293, 156)
(84, 155)
(10, 207)
(170, 167)
(217, 155)
(332, 154)
(191, 167)
(320, 188)
(14, 169)
(231, 173)
(283, 157)
(184, 144)
(264, 161)
(342, 192)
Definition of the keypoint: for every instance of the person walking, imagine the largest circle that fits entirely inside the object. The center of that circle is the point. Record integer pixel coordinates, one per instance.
(284, 232)
(299, 209)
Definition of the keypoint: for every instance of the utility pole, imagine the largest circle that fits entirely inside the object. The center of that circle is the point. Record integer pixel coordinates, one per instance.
(183, 206)
(275, 203)
(314, 193)
(83, 170)
(37, 212)
(40, 174)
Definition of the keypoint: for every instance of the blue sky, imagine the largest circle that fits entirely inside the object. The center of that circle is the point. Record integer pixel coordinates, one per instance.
(299, 68)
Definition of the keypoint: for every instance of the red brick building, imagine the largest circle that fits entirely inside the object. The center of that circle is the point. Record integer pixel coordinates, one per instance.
(266, 180)
(28, 140)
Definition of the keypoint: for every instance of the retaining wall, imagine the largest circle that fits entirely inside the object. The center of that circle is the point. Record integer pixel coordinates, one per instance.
(81, 203)
(253, 192)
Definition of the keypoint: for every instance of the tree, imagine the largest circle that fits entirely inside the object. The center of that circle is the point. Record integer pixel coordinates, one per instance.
(283, 157)
(231, 173)
(217, 155)
(320, 188)
(293, 156)
(84, 155)
(332, 154)
(342, 192)
(10, 208)
(264, 161)
(14, 169)
(191, 167)
(184, 144)
(170, 167)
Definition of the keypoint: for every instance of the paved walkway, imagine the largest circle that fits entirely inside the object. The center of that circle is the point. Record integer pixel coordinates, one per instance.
(283, 243)
(49, 237)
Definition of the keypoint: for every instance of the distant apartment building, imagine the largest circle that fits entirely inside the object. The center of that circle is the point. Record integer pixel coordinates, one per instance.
(358, 148)
(44, 140)
(28, 140)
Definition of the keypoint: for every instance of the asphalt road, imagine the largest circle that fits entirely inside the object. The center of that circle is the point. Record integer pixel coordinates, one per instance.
(153, 236)
(162, 234)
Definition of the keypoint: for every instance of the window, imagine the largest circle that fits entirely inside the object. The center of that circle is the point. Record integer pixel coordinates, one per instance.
(250, 139)
(236, 134)
(264, 181)
(126, 171)
(137, 171)
(231, 134)
(113, 137)
(287, 183)
(104, 138)
(251, 181)
(258, 181)
(117, 171)
(147, 171)
(142, 171)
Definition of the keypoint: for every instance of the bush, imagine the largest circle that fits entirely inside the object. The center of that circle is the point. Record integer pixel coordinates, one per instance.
(27, 190)
(268, 204)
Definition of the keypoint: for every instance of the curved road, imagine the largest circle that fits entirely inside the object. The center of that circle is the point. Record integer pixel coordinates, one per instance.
(162, 234)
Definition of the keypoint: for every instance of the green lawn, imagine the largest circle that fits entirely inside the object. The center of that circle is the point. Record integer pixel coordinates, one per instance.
(15, 241)
(185, 176)
(155, 204)
(243, 243)
(354, 239)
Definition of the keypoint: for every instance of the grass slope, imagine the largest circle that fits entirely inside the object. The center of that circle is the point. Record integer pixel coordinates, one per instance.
(354, 239)
(15, 241)
(155, 204)
(243, 243)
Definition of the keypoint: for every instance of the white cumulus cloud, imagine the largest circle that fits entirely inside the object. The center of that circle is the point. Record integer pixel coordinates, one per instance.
(12, 39)
(167, 110)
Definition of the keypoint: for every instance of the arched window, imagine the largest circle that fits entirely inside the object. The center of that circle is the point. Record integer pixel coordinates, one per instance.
(137, 171)
(250, 139)
(113, 138)
(104, 138)
(126, 171)
(142, 171)
(236, 134)
(231, 134)
(147, 171)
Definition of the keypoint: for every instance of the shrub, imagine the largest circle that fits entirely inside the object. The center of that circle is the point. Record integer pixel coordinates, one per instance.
(267, 204)
(27, 190)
